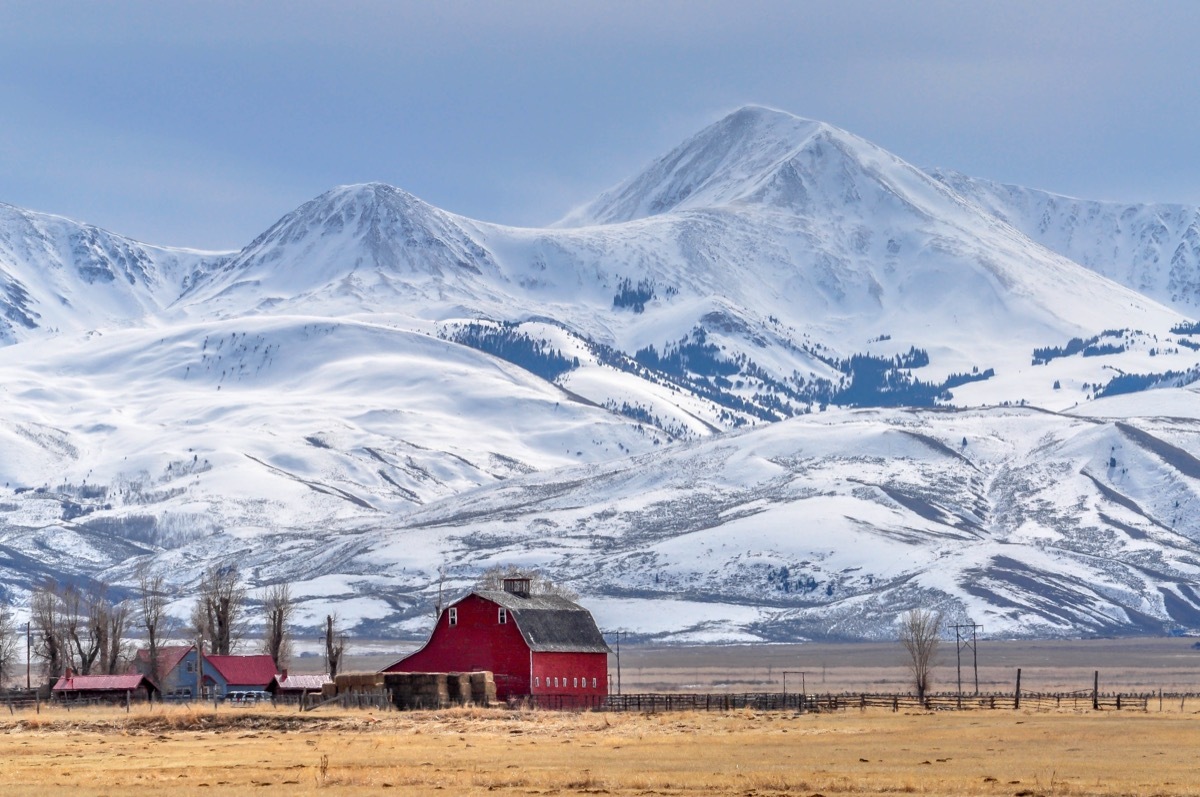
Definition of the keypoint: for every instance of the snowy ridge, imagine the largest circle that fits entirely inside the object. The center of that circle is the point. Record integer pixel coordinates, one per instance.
(57, 275)
(1153, 249)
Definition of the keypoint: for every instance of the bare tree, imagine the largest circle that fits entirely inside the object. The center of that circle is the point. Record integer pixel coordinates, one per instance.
(539, 583)
(45, 616)
(920, 631)
(152, 609)
(218, 611)
(278, 608)
(335, 646)
(8, 643)
(115, 653)
(85, 621)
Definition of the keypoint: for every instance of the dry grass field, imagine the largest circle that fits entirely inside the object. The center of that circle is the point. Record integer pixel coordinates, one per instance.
(266, 751)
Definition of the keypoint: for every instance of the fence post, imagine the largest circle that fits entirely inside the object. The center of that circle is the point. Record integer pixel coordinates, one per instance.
(1096, 691)
(1017, 694)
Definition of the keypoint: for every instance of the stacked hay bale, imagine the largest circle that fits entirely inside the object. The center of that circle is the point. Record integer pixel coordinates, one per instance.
(458, 687)
(418, 690)
(413, 690)
(358, 682)
(483, 688)
(359, 688)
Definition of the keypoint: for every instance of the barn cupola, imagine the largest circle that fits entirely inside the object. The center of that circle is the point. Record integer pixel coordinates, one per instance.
(517, 586)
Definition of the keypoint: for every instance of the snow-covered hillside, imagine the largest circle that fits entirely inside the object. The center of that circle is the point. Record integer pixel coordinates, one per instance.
(652, 400)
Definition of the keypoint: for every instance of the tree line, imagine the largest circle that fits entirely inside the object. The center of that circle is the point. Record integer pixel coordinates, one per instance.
(84, 630)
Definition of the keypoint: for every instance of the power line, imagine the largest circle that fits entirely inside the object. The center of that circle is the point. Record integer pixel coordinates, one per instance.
(964, 642)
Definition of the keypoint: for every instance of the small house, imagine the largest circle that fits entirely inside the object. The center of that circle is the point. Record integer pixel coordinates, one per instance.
(225, 674)
(176, 671)
(182, 671)
(544, 647)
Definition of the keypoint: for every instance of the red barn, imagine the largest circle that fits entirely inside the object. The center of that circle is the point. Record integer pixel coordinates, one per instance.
(543, 646)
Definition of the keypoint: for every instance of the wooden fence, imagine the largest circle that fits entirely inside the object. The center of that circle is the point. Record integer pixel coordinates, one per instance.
(816, 703)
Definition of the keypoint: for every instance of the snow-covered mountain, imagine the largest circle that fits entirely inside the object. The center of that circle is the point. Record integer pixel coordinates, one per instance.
(375, 387)
(1154, 249)
(60, 276)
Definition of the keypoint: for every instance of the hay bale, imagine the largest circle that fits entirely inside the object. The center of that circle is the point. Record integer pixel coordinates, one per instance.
(483, 688)
(458, 688)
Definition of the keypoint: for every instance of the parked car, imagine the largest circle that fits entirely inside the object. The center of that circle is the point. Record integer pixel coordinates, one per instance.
(248, 697)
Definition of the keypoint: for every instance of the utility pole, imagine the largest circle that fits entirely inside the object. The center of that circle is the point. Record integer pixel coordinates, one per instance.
(803, 687)
(618, 652)
(28, 650)
(964, 642)
(199, 667)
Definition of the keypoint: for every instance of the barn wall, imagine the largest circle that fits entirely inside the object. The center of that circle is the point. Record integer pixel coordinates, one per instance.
(574, 672)
(477, 642)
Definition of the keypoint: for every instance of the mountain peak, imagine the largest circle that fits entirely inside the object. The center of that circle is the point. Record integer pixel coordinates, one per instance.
(739, 158)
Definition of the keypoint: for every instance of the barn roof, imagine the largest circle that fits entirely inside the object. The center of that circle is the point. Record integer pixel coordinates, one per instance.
(243, 670)
(550, 623)
(100, 683)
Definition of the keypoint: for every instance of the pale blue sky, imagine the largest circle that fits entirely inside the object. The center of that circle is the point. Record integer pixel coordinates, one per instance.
(199, 124)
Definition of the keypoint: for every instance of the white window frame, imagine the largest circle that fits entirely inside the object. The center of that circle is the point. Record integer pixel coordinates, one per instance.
(453, 616)
(593, 682)
(503, 616)
(575, 683)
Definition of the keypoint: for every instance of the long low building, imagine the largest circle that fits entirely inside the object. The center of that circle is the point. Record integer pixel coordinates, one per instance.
(132, 686)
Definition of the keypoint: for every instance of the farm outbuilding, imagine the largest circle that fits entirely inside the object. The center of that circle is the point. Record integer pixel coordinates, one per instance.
(112, 688)
(541, 646)
(291, 685)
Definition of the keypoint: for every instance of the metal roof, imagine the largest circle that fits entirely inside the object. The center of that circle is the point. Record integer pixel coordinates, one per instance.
(549, 623)
(308, 683)
(100, 683)
(169, 657)
(243, 670)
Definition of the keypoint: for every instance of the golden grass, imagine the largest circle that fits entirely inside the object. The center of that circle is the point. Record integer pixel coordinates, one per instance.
(474, 751)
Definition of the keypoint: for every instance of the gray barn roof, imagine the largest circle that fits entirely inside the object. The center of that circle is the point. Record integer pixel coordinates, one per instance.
(549, 623)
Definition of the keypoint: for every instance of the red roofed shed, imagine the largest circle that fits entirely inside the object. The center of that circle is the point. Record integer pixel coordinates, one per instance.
(103, 687)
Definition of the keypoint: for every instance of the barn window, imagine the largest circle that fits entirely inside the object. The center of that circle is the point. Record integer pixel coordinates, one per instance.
(575, 683)
(593, 683)
(556, 682)
(191, 666)
(503, 615)
(537, 680)
(453, 616)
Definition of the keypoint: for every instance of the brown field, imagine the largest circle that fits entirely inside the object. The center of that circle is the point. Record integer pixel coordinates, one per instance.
(476, 751)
